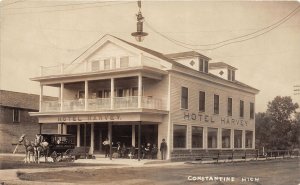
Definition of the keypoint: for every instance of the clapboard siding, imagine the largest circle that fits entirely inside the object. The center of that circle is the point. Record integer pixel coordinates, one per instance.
(195, 85)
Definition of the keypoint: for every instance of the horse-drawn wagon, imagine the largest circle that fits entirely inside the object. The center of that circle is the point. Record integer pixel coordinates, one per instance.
(60, 146)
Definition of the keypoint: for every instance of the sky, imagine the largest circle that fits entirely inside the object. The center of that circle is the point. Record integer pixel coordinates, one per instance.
(47, 33)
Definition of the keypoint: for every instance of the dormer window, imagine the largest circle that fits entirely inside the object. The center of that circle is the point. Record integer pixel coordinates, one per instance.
(203, 65)
(231, 75)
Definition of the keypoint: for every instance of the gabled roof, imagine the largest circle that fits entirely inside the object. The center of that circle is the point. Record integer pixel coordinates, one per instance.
(152, 52)
(186, 55)
(21, 100)
(218, 65)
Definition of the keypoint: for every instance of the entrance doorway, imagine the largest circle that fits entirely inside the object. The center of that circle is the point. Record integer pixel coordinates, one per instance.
(100, 134)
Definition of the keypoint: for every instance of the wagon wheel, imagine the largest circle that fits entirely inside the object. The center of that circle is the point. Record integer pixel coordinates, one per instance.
(54, 156)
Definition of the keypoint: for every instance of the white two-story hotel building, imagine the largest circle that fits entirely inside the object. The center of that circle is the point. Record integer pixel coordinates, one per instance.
(129, 93)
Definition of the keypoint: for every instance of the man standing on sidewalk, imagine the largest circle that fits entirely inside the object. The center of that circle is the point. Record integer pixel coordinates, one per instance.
(163, 149)
(106, 147)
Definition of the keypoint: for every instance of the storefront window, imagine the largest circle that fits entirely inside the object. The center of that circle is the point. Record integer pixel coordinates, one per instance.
(238, 138)
(197, 137)
(179, 136)
(249, 139)
(226, 138)
(212, 137)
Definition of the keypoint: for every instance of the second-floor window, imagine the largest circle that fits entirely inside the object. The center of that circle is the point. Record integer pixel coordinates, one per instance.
(241, 108)
(229, 107)
(216, 104)
(202, 101)
(251, 110)
(106, 64)
(16, 116)
(184, 98)
(124, 61)
(95, 65)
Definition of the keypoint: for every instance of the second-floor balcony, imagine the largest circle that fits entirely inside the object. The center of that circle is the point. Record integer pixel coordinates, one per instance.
(103, 104)
(101, 65)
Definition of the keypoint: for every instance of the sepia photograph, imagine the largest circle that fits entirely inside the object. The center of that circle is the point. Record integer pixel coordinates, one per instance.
(149, 92)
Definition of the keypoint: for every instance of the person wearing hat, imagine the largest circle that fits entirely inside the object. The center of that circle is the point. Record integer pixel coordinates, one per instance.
(163, 149)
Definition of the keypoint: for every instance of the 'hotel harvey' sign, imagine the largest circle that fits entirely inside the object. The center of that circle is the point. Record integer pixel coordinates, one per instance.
(204, 118)
(89, 118)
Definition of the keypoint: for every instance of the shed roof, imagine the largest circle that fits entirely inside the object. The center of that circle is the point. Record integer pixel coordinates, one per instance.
(21, 100)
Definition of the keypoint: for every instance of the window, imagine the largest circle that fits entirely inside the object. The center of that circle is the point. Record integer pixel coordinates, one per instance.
(100, 94)
(229, 107)
(179, 136)
(233, 75)
(251, 110)
(203, 66)
(106, 93)
(106, 64)
(202, 101)
(212, 137)
(95, 65)
(216, 104)
(226, 133)
(184, 98)
(238, 138)
(197, 137)
(248, 139)
(229, 77)
(16, 115)
(206, 66)
(241, 108)
(124, 61)
(134, 91)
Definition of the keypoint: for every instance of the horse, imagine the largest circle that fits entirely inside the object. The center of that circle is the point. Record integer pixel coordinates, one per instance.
(40, 147)
(29, 148)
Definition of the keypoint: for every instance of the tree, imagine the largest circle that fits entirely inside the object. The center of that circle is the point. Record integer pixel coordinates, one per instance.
(263, 126)
(281, 111)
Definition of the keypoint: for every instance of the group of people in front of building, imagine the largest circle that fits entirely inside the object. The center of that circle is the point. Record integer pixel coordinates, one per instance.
(148, 151)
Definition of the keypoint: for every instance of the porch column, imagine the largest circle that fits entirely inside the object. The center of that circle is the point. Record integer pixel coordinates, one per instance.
(112, 92)
(232, 138)
(219, 139)
(243, 139)
(84, 140)
(86, 94)
(140, 78)
(133, 135)
(205, 137)
(110, 139)
(253, 139)
(61, 96)
(64, 128)
(41, 96)
(78, 135)
(139, 142)
(92, 139)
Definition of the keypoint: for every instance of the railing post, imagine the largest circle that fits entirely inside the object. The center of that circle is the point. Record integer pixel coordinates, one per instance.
(61, 96)
(86, 94)
(112, 92)
(41, 96)
(140, 79)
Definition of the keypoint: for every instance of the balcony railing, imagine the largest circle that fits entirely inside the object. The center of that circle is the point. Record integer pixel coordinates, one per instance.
(98, 104)
(100, 65)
